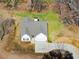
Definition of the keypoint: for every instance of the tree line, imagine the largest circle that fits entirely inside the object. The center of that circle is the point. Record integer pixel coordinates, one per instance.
(35, 4)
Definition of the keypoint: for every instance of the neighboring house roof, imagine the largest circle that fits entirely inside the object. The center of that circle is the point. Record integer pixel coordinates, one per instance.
(33, 28)
(41, 37)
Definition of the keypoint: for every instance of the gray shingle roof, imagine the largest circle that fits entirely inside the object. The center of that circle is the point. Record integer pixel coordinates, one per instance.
(33, 28)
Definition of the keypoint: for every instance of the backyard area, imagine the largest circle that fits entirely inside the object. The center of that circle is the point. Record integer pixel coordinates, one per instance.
(54, 24)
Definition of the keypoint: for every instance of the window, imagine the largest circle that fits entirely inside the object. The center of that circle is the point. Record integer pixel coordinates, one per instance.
(25, 39)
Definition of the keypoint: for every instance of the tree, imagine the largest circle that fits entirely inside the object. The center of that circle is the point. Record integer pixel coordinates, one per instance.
(6, 27)
(37, 5)
(58, 54)
(12, 3)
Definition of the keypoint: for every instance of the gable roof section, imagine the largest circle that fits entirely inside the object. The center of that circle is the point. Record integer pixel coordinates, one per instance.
(33, 28)
(41, 37)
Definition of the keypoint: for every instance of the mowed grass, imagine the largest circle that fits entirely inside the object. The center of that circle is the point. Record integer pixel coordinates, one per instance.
(54, 24)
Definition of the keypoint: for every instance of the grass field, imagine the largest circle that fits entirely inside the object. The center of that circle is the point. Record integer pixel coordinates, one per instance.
(53, 20)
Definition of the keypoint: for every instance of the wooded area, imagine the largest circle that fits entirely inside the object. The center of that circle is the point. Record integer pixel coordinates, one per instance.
(37, 5)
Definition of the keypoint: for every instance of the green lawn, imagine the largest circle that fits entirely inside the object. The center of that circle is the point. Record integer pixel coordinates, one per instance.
(53, 20)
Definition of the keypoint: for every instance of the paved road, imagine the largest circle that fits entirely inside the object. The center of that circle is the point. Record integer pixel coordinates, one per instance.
(46, 47)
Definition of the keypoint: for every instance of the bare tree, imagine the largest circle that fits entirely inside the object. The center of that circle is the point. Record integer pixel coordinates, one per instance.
(69, 12)
(37, 5)
(6, 27)
(12, 3)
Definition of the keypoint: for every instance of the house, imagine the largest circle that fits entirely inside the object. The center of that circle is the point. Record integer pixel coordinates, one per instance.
(36, 30)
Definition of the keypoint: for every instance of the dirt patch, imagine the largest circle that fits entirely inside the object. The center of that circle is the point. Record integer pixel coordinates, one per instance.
(1, 57)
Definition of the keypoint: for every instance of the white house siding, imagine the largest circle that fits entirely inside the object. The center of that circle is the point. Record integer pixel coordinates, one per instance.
(41, 37)
(25, 38)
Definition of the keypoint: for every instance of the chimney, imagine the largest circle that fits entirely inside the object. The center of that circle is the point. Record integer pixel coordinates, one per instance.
(36, 19)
